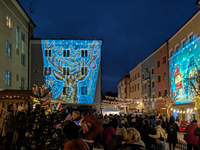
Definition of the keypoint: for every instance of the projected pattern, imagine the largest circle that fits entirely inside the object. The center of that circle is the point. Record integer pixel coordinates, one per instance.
(184, 64)
(71, 68)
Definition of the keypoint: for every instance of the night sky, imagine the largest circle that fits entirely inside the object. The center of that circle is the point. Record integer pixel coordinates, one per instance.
(131, 29)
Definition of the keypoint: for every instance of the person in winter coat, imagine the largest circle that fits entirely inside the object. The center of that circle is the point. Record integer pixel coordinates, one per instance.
(152, 121)
(197, 133)
(160, 136)
(132, 121)
(132, 140)
(10, 125)
(191, 139)
(116, 142)
(71, 131)
(147, 129)
(172, 129)
(163, 122)
(21, 122)
(107, 133)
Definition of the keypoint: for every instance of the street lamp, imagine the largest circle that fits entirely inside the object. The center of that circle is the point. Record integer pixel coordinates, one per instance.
(198, 3)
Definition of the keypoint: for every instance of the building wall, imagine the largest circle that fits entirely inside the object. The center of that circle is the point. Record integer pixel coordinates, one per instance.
(123, 88)
(13, 63)
(191, 27)
(148, 63)
(135, 81)
(161, 86)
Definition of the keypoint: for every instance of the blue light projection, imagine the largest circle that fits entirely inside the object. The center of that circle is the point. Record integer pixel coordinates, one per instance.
(183, 64)
(71, 68)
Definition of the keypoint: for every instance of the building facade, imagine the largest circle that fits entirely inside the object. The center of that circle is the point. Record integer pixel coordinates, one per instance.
(184, 53)
(16, 29)
(148, 81)
(123, 87)
(162, 69)
(135, 83)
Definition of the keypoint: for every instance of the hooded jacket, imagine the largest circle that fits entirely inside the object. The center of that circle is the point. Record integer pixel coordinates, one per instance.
(10, 121)
(160, 132)
(145, 131)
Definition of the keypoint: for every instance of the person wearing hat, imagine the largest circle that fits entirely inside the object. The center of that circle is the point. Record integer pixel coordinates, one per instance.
(191, 139)
(107, 133)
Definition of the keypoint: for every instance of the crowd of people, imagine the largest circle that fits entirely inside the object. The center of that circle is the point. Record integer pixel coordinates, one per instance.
(85, 130)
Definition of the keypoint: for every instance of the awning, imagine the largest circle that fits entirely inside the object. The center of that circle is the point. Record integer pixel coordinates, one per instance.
(133, 106)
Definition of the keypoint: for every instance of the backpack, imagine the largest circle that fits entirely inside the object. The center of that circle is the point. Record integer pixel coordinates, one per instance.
(172, 128)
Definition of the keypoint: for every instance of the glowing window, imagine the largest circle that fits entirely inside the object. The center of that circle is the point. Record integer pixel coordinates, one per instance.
(8, 78)
(191, 61)
(8, 48)
(8, 22)
(83, 90)
(184, 64)
(22, 83)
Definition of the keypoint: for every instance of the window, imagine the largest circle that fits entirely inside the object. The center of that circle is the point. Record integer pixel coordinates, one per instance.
(17, 37)
(17, 77)
(152, 84)
(138, 86)
(158, 78)
(145, 86)
(164, 76)
(47, 70)
(132, 88)
(176, 48)
(84, 53)
(23, 36)
(8, 48)
(130, 79)
(83, 70)
(143, 76)
(170, 53)
(66, 53)
(8, 78)
(138, 74)
(191, 61)
(66, 70)
(135, 88)
(22, 83)
(83, 90)
(125, 82)
(183, 42)
(23, 59)
(165, 92)
(164, 59)
(190, 37)
(152, 71)
(153, 96)
(135, 76)
(124, 90)
(8, 22)
(142, 87)
(159, 93)
(48, 53)
(158, 63)
(184, 64)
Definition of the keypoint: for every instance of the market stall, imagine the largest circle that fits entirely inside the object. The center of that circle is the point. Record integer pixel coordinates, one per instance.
(111, 109)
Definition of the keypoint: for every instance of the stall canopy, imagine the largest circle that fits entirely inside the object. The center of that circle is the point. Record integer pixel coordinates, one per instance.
(111, 109)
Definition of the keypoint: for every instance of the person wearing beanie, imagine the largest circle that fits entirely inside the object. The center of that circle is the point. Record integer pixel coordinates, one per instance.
(172, 129)
(107, 133)
(191, 139)
(145, 130)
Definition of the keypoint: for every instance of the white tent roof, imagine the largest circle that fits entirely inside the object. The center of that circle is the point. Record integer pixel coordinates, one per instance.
(111, 108)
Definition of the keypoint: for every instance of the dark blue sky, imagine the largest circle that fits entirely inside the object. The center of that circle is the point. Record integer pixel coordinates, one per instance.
(130, 29)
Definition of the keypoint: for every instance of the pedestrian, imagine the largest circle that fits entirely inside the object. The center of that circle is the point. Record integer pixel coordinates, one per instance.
(159, 137)
(152, 121)
(177, 119)
(172, 129)
(132, 140)
(191, 139)
(163, 122)
(132, 121)
(21, 122)
(116, 142)
(107, 133)
(71, 131)
(147, 129)
(10, 125)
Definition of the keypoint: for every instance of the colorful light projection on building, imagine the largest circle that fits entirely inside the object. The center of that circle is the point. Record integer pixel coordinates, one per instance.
(71, 68)
(183, 64)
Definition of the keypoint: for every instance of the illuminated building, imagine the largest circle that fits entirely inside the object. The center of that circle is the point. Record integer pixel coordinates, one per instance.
(72, 68)
(16, 31)
(162, 84)
(123, 87)
(184, 53)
